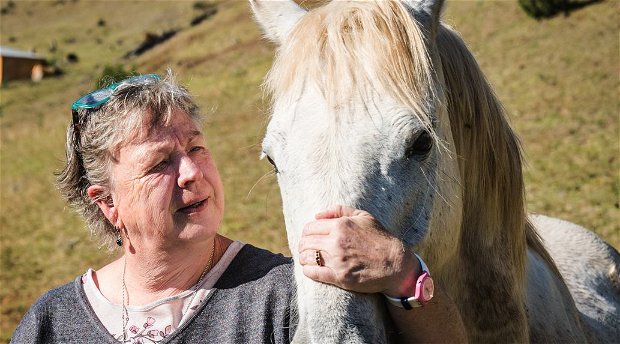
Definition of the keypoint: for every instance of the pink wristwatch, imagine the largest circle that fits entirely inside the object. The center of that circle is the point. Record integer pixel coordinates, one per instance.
(424, 289)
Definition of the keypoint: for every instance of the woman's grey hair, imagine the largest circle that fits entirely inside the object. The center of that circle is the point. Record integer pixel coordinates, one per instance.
(132, 111)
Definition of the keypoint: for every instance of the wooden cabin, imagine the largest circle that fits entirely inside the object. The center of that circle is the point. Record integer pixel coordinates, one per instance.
(18, 64)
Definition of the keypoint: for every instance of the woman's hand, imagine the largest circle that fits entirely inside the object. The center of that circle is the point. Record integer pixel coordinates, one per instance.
(357, 254)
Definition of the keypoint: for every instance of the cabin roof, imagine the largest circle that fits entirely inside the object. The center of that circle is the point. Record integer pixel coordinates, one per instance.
(12, 52)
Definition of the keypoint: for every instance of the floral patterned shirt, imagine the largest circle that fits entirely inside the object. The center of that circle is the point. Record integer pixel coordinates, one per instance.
(155, 321)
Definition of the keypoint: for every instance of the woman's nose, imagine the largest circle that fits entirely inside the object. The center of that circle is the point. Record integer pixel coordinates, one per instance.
(189, 171)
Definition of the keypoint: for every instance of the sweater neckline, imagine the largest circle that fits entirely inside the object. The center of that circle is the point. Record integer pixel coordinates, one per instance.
(222, 270)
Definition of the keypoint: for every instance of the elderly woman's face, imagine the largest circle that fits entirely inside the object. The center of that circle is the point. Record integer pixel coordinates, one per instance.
(167, 187)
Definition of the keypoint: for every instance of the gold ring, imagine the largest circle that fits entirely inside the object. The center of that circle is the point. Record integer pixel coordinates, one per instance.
(317, 258)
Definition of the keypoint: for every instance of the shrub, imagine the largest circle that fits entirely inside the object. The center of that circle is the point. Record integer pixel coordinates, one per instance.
(543, 8)
(548, 8)
(204, 5)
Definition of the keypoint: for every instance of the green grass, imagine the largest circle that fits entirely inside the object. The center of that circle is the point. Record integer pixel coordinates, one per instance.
(558, 78)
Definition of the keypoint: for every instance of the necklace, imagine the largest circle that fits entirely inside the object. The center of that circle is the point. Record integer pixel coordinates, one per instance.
(204, 273)
(125, 313)
(125, 316)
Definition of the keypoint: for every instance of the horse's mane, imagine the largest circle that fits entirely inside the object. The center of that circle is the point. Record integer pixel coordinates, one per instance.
(495, 231)
(355, 44)
(490, 153)
(491, 170)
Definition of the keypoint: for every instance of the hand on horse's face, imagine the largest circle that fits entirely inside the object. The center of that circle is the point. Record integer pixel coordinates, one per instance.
(357, 254)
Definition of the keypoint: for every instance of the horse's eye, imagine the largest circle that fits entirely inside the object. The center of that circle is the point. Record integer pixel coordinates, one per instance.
(420, 147)
(275, 168)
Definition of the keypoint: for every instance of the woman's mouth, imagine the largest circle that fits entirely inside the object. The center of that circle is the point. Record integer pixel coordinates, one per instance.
(194, 207)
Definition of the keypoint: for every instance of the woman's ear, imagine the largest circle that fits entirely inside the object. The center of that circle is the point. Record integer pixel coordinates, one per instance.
(106, 204)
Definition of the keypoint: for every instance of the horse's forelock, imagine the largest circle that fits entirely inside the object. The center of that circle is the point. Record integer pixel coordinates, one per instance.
(344, 48)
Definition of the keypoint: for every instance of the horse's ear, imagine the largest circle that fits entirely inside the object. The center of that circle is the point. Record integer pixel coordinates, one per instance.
(428, 12)
(276, 17)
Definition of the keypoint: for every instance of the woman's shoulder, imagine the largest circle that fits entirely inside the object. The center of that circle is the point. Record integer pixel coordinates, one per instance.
(53, 311)
(266, 257)
(62, 295)
(256, 264)
(251, 303)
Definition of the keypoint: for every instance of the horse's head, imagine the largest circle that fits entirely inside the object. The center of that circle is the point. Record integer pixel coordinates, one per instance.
(359, 118)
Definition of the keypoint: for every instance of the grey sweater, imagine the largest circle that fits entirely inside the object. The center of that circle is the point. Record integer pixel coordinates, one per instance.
(250, 304)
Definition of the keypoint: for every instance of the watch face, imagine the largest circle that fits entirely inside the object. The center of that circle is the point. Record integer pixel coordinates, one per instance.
(428, 289)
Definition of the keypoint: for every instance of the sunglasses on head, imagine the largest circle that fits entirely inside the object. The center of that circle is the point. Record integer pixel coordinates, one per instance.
(102, 95)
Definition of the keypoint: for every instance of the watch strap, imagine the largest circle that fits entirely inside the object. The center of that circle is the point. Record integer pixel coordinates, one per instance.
(409, 303)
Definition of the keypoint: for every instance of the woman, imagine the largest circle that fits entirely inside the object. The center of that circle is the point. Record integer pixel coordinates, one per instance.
(139, 172)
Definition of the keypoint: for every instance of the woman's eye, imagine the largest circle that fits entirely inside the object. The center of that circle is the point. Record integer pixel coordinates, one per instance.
(159, 167)
(420, 148)
(196, 149)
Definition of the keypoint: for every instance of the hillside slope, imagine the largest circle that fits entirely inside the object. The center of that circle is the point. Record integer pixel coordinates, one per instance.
(558, 79)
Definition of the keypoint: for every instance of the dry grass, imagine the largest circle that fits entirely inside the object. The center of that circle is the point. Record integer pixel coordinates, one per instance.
(558, 78)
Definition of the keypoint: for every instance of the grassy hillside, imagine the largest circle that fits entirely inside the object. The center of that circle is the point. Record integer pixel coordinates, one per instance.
(558, 78)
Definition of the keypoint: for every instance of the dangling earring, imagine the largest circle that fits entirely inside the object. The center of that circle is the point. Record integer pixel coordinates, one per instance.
(119, 239)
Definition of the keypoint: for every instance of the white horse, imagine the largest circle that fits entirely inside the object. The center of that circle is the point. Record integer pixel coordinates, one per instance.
(378, 105)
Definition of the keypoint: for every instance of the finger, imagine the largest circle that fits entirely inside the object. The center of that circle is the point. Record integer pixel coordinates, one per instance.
(308, 257)
(319, 227)
(339, 211)
(304, 258)
(319, 273)
(313, 243)
(327, 214)
(334, 212)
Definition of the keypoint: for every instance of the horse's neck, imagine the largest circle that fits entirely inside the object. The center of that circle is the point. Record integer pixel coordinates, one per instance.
(326, 314)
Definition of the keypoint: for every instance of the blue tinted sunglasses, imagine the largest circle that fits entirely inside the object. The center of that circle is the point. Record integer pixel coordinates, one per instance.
(102, 95)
